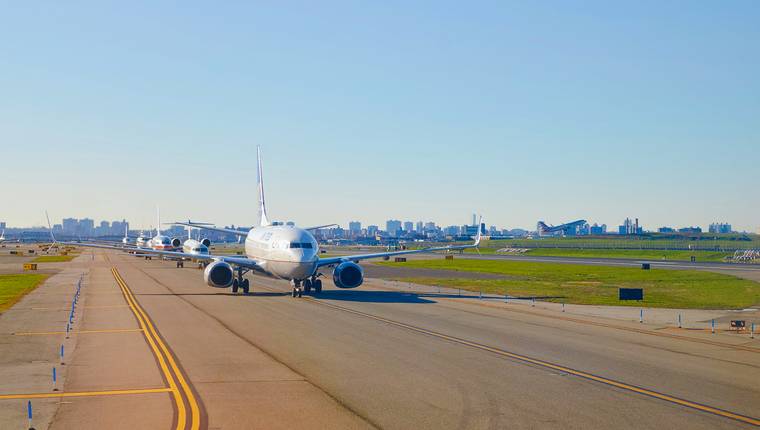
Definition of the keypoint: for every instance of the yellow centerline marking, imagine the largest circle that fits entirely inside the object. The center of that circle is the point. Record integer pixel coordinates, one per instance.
(557, 367)
(44, 333)
(155, 342)
(83, 393)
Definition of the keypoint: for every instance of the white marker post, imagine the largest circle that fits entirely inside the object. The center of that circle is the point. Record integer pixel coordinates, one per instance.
(563, 306)
(752, 331)
(55, 380)
(29, 413)
(533, 302)
(641, 316)
(679, 321)
(62, 363)
(712, 326)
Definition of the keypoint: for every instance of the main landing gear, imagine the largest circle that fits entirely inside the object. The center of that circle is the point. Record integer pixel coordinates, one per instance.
(305, 286)
(240, 282)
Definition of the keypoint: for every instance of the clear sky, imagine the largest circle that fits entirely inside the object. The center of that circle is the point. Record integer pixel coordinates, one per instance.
(375, 110)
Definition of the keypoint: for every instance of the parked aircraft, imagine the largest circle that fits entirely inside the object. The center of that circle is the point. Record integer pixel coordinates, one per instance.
(282, 251)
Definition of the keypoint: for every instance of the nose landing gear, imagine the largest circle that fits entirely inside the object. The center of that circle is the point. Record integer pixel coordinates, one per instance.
(306, 285)
(240, 282)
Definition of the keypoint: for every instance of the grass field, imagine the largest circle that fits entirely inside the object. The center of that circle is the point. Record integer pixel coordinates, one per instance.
(597, 285)
(53, 258)
(625, 253)
(13, 287)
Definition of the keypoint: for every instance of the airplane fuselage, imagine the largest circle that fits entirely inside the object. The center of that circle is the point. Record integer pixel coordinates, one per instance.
(284, 251)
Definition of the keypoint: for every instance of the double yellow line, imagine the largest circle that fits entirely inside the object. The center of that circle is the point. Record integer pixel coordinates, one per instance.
(181, 393)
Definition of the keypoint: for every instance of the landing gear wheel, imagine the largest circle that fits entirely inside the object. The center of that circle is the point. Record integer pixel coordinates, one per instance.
(245, 286)
(295, 293)
(318, 286)
(235, 285)
(300, 292)
(307, 286)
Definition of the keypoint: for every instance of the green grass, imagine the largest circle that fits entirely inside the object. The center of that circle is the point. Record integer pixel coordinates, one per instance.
(53, 258)
(627, 253)
(597, 285)
(13, 287)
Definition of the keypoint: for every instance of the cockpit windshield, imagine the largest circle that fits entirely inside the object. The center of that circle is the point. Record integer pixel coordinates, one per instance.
(306, 245)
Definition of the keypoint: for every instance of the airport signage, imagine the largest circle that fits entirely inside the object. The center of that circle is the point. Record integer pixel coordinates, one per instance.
(631, 293)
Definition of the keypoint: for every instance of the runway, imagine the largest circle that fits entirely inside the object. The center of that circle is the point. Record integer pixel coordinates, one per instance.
(374, 357)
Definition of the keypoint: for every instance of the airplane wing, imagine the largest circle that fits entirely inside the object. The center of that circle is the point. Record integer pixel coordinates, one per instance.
(207, 227)
(233, 260)
(320, 226)
(337, 260)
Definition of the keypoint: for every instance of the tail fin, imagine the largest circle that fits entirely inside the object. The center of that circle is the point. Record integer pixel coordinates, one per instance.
(50, 228)
(542, 227)
(480, 231)
(263, 218)
(158, 218)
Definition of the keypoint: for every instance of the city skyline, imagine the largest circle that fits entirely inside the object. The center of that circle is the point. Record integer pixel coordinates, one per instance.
(411, 110)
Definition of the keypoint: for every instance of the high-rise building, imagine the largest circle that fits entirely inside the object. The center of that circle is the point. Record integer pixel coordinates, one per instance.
(86, 227)
(474, 219)
(355, 226)
(408, 227)
(2, 225)
(372, 230)
(597, 229)
(70, 226)
(420, 227)
(393, 227)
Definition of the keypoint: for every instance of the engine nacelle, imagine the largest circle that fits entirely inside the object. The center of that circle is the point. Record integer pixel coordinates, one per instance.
(218, 275)
(176, 243)
(205, 241)
(348, 275)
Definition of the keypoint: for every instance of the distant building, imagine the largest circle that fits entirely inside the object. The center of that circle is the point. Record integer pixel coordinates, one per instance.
(393, 227)
(420, 227)
(666, 230)
(690, 230)
(372, 230)
(452, 230)
(355, 228)
(70, 226)
(630, 227)
(720, 228)
(2, 225)
(408, 227)
(597, 229)
(86, 227)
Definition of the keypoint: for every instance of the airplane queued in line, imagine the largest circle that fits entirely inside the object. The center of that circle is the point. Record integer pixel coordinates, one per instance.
(281, 251)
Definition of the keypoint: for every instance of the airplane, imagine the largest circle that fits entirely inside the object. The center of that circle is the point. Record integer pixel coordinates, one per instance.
(4, 240)
(544, 229)
(286, 252)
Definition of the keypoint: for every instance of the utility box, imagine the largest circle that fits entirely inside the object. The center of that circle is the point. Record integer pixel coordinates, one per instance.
(449, 257)
(400, 260)
(645, 266)
(631, 293)
(738, 325)
(30, 266)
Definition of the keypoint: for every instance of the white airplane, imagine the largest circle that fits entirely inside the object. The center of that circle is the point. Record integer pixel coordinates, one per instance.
(2, 236)
(281, 251)
(126, 240)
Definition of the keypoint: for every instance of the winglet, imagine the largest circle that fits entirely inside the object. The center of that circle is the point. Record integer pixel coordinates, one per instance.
(263, 219)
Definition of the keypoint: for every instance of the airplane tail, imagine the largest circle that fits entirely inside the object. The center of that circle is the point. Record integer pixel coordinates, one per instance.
(480, 231)
(263, 218)
(158, 218)
(542, 227)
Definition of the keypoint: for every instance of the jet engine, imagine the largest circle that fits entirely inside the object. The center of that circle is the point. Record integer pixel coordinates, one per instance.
(348, 275)
(176, 243)
(218, 275)
(206, 242)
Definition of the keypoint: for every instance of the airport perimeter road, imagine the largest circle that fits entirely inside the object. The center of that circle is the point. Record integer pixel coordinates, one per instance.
(364, 357)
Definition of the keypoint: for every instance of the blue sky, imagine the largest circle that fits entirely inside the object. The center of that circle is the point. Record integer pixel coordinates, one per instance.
(377, 110)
